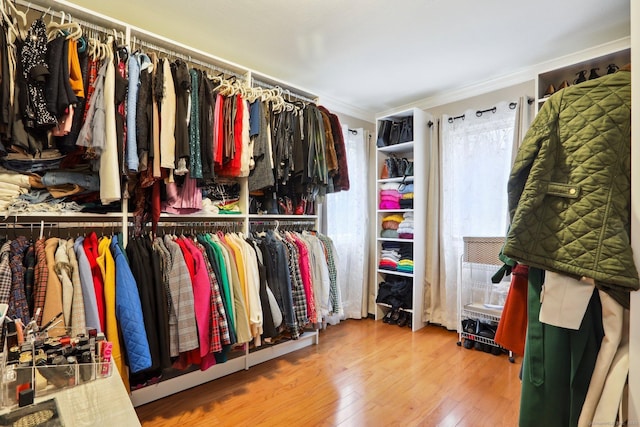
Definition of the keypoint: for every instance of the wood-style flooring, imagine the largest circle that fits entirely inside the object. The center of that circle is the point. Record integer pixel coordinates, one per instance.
(363, 373)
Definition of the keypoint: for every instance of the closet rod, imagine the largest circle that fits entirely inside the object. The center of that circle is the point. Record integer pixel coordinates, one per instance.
(240, 71)
(288, 91)
(58, 14)
(48, 224)
(187, 58)
(200, 224)
(283, 222)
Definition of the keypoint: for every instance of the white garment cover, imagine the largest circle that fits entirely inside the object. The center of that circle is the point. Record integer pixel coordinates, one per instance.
(109, 174)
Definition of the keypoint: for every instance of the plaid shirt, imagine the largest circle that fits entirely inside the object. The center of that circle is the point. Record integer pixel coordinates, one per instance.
(41, 279)
(334, 292)
(18, 306)
(165, 266)
(5, 273)
(297, 287)
(216, 293)
(182, 298)
(215, 344)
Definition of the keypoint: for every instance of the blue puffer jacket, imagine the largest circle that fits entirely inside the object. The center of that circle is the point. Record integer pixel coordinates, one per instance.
(129, 313)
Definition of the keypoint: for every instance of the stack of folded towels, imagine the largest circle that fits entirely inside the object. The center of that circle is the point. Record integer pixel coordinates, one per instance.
(406, 196)
(405, 228)
(390, 225)
(390, 196)
(405, 263)
(390, 255)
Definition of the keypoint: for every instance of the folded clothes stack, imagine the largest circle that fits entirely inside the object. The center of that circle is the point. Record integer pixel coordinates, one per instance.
(405, 228)
(405, 264)
(390, 196)
(406, 196)
(390, 224)
(389, 256)
(396, 256)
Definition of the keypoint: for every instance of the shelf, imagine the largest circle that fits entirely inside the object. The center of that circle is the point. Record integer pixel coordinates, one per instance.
(201, 215)
(398, 148)
(395, 273)
(569, 72)
(382, 304)
(479, 311)
(257, 217)
(394, 210)
(394, 180)
(392, 239)
(480, 338)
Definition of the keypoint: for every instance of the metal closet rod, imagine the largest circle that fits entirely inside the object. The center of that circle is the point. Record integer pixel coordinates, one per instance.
(136, 32)
(135, 39)
(284, 90)
(187, 58)
(281, 222)
(200, 224)
(35, 225)
(49, 10)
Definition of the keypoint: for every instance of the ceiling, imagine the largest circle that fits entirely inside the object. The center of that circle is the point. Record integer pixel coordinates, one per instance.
(375, 55)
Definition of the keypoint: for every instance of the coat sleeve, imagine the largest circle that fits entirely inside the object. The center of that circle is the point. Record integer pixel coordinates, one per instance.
(527, 153)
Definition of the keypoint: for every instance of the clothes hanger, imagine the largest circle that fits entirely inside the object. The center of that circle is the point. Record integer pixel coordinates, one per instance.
(21, 17)
(12, 26)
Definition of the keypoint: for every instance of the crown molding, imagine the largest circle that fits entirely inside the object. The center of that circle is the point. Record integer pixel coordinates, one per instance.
(520, 76)
(335, 105)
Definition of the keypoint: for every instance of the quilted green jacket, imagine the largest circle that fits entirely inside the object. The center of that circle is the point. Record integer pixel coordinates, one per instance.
(570, 186)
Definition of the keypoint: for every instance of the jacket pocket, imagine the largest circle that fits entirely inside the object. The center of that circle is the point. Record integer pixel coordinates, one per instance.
(569, 191)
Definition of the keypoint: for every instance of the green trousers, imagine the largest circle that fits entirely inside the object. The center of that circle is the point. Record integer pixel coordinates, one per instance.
(558, 363)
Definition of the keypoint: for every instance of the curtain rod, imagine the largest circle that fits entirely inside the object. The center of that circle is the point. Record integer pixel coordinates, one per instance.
(479, 113)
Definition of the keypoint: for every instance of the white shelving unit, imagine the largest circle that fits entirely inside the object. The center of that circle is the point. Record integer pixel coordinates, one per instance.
(416, 150)
(569, 72)
(482, 301)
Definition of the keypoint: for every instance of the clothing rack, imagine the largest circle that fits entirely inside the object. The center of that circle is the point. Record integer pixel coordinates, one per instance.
(42, 229)
(276, 224)
(230, 226)
(123, 221)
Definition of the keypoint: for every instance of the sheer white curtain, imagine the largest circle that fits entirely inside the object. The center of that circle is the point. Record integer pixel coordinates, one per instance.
(347, 218)
(471, 162)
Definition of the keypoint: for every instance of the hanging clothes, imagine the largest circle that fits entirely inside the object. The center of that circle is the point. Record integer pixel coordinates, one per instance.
(78, 316)
(195, 154)
(182, 84)
(183, 336)
(206, 106)
(92, 313)
(129, 314)
(167, 119)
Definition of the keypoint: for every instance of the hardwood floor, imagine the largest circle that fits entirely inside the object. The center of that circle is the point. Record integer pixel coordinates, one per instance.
(363, 373)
